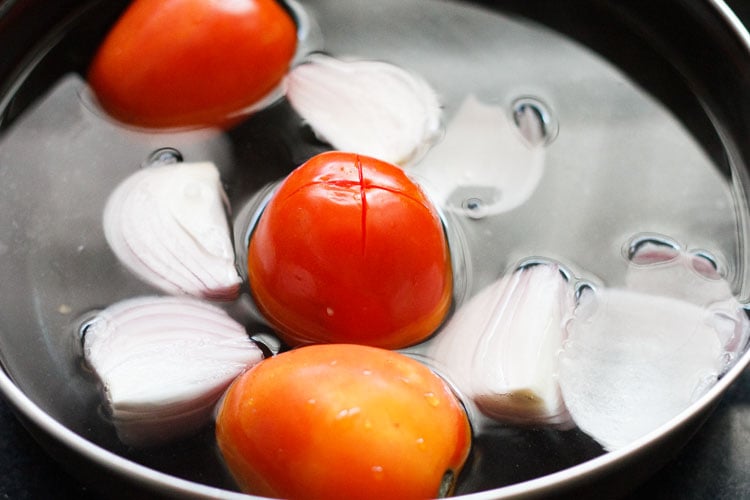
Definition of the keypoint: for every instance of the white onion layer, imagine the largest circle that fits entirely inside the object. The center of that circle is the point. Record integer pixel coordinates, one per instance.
(368, 107)
(500, 349)
(482, 156)
(164, 362)
(168, 224)
(633, 361)
(636, 357)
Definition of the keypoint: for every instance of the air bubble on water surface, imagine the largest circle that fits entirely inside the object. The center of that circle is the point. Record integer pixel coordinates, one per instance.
(706, 264)
(651, 248)
(163, 156)
(542, 261)
(584, 288)
(474, 202)
(535, 122)
(474, 208)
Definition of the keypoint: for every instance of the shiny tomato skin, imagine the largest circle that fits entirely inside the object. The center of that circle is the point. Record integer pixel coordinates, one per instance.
(350, 250)
(189, 63)
(342, 421)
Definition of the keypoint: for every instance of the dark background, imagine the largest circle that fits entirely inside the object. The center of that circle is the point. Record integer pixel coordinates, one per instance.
(715, 464)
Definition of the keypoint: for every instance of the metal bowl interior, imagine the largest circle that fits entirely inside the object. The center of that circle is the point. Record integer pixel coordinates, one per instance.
(658, 93)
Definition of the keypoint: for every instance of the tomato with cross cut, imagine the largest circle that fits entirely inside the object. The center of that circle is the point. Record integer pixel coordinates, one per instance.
(350, 249)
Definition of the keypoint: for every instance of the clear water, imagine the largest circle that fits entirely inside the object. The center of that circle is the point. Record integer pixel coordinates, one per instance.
(610, 163)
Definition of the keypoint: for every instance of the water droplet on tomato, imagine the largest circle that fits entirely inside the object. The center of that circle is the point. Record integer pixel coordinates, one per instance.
(377, 471)
(651, 249)
(432, 399)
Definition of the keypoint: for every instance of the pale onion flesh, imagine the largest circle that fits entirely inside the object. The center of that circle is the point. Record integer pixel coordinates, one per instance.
(483, 156)
(368, 107)
(168, 224)
(500, 348)
(636, 357)
(163, 363)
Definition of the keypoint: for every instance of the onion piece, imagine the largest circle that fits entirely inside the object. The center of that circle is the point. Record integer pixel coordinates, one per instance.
(633, 361)
(672, 272)
(484, 157)
(368, 107)
(168, 224)
(636, 357)
(163, 363)
(500, 349)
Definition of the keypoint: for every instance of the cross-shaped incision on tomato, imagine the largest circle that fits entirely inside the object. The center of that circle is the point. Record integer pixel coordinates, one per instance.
(350, 249)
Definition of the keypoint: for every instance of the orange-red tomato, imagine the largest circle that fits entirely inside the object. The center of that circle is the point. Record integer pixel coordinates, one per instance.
(350, 250)
(343, 421)
(179, 63)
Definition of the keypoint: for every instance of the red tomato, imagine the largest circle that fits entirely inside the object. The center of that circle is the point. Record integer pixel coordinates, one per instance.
(350, 250)
(177, 63)
(343, 421)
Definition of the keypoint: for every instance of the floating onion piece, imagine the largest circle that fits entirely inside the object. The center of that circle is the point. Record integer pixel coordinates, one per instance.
(500, 349)
(163, 363)
(693, 277)
(484, 161)
(369, 107)
(168, 224)
(636, 357)
(633, 361)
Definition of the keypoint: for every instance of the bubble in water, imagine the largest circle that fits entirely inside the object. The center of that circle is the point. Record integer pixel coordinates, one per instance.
(163, 156)
(473, 207)
(534, 120)
(651, 249)
(705, 264)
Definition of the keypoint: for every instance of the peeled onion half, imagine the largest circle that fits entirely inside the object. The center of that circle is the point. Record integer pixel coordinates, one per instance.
(163, 363)
(168, 224)
(368, 107)
(500, 349)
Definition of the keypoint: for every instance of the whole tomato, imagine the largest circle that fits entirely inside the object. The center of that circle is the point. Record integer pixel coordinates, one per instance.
(343, 421)
(183, 63)
(350, 250)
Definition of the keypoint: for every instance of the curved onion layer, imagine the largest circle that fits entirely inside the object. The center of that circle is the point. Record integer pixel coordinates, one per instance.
(164, 362)
(637, 357)
(168, 224)
(501, 348)
(369, 107)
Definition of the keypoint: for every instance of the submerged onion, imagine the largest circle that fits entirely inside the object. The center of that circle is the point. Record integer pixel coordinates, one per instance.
(636, 357)
(168, 224)
(163, 363)
(369, 107)
(484, 157)
(500, 349)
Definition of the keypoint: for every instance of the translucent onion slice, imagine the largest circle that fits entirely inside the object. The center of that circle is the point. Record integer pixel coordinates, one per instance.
(693, 277)
(368, 107)
(636, 357)
(163, 363)
(484, 158)
(633, 361)
(500, 349)
(168, 224)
